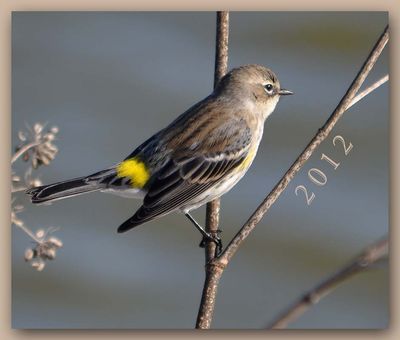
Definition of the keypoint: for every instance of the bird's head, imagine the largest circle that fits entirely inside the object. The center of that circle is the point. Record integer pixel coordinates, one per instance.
(253, 85)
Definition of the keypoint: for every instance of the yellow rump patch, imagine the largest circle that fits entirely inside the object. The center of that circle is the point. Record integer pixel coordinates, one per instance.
(135, 170)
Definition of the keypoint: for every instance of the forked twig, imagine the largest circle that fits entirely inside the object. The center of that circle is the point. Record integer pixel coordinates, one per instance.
(368, 90)
(308, 151)
(216, 266)
(24, 149)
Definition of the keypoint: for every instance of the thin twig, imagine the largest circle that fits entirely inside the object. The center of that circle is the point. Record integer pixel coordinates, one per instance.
(221, 46)
(216, 267)
(23, 149)
(26, 230)
(308, 151)
(206, 309)
(369, 256)
(13, 191)
(368, 90)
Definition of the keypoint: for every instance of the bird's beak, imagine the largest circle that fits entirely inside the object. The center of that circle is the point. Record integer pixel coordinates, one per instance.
(284, 92)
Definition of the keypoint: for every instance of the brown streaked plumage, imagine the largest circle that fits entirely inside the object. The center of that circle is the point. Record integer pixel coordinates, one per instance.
(198, 157)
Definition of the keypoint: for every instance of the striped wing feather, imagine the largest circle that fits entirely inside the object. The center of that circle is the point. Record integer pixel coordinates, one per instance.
(190, 172)
(179, 184)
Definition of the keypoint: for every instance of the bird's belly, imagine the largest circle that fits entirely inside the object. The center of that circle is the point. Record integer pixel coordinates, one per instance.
(216, 191)
(226, 183)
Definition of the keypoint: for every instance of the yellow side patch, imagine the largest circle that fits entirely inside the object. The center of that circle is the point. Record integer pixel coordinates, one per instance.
(135, 170)
(249, 159)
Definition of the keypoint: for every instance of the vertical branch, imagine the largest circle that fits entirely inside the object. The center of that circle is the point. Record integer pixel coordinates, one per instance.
(221, 46)
(213, 274)
(221, 67)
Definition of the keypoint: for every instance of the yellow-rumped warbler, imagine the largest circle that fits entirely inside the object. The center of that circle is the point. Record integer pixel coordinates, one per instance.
(198, 157)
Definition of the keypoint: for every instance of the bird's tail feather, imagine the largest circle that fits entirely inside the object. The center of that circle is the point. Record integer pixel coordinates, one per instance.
(62, 190)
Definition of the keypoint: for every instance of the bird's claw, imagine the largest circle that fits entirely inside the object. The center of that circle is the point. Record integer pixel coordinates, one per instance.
(213, 238)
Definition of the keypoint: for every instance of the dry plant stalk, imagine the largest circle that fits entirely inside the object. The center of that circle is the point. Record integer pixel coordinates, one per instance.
(216, 267)
(221, 68)
(369, 256)
(204, 316)
(37, 148)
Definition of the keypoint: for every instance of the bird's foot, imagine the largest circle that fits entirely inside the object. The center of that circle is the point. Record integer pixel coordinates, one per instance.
(213, 238)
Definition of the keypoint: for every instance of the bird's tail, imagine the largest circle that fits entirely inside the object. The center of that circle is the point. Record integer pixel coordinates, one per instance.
(62, 190)
(77, 186)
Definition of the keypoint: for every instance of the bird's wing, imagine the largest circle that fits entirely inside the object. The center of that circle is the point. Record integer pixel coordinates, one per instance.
(184, 177)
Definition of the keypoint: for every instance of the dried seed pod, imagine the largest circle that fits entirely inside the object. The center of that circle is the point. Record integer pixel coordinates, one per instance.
(38, 265)
(49, 137)
(29, 254)
(40, 233)
(45, 152)
(35, 182)
(50, 253)
(55, 241)
(16, 178)
(44, 159)
(21, 136)
(38, 128)
(54, 130)
(51, 147)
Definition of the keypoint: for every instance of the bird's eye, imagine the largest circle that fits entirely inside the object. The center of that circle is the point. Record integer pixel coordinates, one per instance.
(269, 88)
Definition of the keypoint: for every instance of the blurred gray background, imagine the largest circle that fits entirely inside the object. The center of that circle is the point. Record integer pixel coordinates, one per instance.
(110, 80)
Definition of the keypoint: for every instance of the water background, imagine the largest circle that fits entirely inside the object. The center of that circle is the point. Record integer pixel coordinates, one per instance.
(110, 80)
